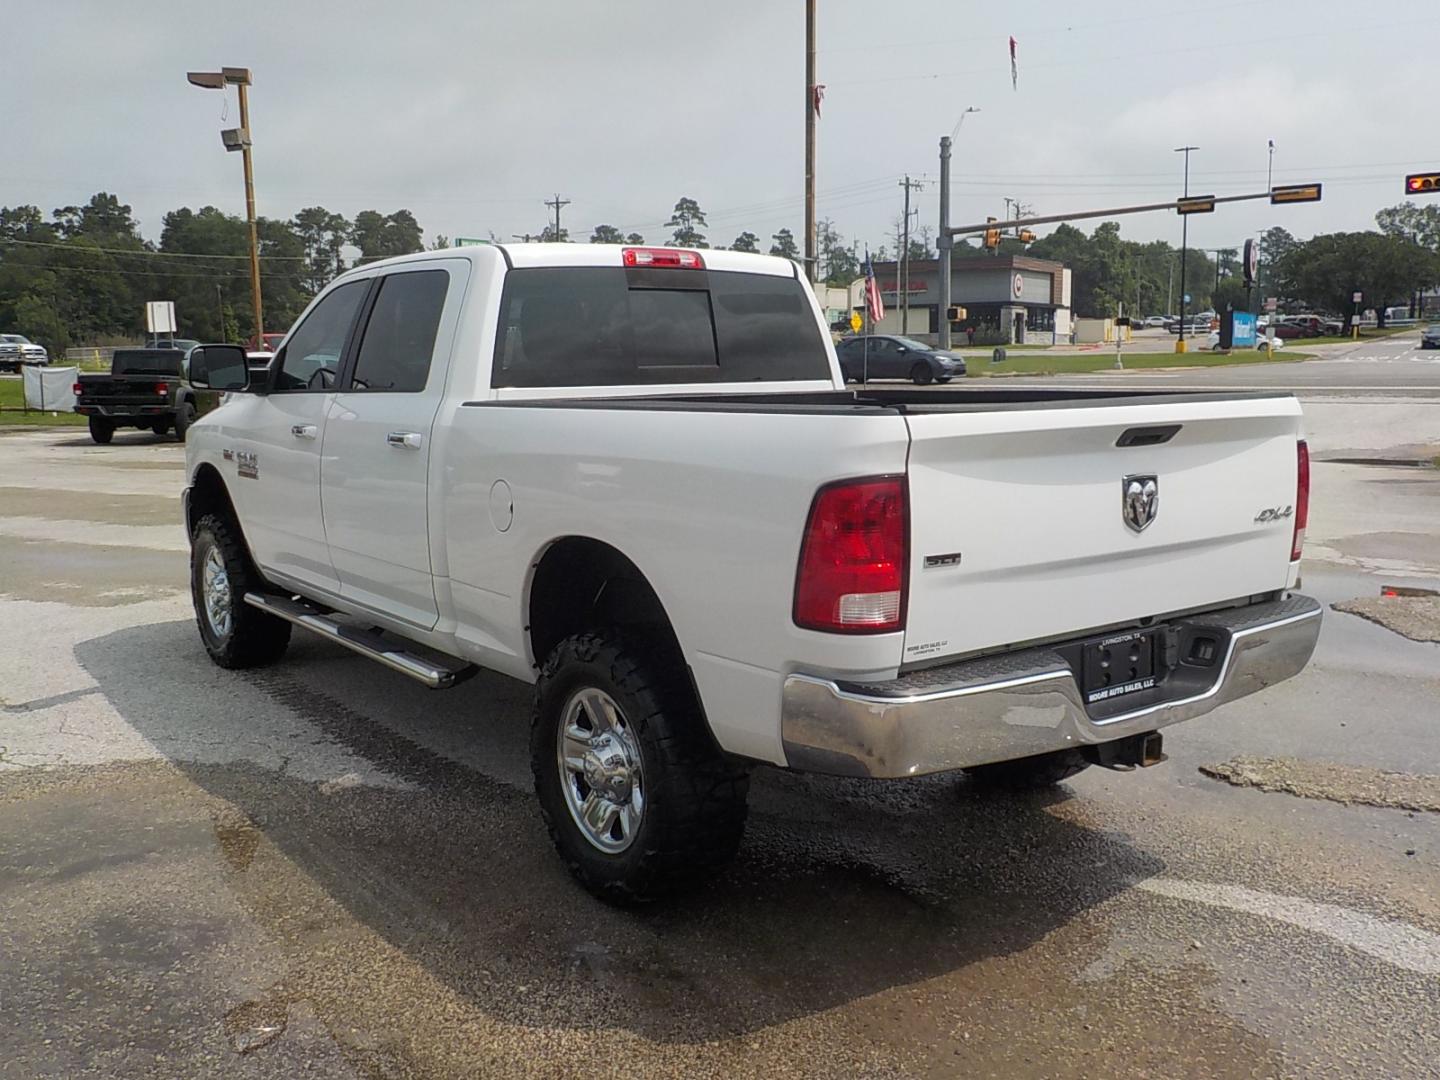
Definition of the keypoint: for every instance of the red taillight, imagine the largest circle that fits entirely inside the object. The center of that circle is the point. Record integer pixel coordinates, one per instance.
(1302, 497)
(853, 558)
(162, 388)
(664, 257)
(77, 389)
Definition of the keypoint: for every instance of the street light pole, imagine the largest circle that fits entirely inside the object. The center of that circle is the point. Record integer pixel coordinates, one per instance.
(239, 139)
(812, 262)
(1180, 346)
(946, 241)
(244, 87)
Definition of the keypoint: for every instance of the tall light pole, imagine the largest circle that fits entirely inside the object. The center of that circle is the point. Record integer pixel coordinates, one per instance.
(945, 242)
(1184, 243)
(812, 261)
(239, 139)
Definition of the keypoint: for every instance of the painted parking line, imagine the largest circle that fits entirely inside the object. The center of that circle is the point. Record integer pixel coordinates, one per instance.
(1398, 943)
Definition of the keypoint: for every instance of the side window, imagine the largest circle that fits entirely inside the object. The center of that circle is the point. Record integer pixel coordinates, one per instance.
(400, 333)
(312, 355)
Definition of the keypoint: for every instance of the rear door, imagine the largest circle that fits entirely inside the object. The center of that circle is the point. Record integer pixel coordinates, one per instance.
(375, 473)
(1019, 524)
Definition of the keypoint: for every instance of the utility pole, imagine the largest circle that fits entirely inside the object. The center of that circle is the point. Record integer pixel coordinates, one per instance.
(1184, 245)
(902, 281)
(556, 203)
(812, 263)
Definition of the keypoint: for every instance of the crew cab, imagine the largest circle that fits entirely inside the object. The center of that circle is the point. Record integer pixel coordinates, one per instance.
(146, 388)
(635, 478)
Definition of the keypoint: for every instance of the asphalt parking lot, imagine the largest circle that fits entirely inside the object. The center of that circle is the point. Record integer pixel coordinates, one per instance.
(322, 869)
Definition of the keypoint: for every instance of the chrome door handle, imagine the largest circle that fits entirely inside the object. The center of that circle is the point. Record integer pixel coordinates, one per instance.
(405, 440)
(303, 431)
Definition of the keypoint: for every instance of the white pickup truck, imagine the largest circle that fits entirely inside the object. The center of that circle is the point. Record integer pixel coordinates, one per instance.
(635, 478)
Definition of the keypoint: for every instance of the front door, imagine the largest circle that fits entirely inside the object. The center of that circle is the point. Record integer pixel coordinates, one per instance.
(277, 458)
(375, 472)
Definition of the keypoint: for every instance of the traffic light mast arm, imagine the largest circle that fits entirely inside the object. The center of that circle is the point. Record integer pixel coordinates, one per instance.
(1173, 204)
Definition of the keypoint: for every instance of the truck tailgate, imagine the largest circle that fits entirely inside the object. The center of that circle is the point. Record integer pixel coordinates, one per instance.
(1018, 530)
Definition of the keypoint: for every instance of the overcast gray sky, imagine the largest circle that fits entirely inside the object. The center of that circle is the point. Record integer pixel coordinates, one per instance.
(471, 112)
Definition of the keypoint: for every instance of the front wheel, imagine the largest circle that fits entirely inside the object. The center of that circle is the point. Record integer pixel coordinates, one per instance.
(638, 800)
(101, 430)
(921, 374)
(184, 417)
(235, 634)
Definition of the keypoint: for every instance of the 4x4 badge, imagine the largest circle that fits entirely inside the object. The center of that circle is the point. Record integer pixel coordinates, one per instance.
(1139, 500)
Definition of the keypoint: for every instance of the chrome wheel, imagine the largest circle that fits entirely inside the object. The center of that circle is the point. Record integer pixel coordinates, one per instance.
(599, 761)
(215, 592)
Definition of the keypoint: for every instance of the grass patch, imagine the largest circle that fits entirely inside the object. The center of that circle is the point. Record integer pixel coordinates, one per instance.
(1058, 364)
(12, 404)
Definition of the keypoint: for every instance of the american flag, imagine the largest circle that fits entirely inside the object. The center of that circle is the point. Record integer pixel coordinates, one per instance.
(873, 302)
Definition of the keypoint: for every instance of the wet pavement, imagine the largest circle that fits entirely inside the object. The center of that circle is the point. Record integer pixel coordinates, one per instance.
(320, 869)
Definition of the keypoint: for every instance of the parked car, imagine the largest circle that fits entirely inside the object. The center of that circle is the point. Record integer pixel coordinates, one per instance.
(1156, 321)
(886, 356)
(635, 478)
(146, 388)
(183, 344)
(17, 350)
(1430, 337)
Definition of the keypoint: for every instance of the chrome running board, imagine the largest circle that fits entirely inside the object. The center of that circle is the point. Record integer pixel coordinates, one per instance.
(436, 674)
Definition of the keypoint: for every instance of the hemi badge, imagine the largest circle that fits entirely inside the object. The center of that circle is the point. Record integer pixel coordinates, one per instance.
(951, 558)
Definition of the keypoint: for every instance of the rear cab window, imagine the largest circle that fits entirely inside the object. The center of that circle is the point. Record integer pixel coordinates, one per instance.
(146, 362)
(621, 326)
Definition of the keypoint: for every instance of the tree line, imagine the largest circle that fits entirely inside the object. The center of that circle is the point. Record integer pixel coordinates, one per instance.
(82, 274)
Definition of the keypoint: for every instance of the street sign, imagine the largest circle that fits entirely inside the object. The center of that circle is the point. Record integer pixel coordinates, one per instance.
(1196, 204)
(1422, 183)
(1187, 298)
(1356, 297)
(1271, 304)
(469, 241)
(856, 322)
(1295, 193)
(160, 316)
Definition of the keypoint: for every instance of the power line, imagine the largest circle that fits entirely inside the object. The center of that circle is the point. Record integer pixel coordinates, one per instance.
(145, 254)
(214, 275)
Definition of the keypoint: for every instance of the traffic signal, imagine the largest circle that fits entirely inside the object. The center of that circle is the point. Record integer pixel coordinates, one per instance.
(992, 236)
(955, 313)
(1027, 236)
(1422, 183)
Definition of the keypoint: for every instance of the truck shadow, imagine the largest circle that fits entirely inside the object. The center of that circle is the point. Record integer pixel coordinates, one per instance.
(843, 889)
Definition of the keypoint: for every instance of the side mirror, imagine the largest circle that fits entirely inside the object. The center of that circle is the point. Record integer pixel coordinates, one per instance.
(218, 367)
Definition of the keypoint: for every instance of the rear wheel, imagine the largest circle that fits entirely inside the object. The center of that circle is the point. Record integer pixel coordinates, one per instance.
(161, 426)
(1040, 771)
(184, 417)
(101, 429)
(921, 374)
(639, 801)
(235, 634)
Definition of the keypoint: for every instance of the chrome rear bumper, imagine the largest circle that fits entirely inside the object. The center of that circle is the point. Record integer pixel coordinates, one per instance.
(1019, 704)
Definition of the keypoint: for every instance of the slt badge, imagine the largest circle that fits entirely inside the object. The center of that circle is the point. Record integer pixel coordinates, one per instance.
(1139, 500)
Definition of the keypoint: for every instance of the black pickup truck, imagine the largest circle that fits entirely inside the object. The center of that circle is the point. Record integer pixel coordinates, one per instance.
(146, 388)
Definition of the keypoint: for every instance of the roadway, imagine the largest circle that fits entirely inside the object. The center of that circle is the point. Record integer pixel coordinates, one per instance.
(320, 868)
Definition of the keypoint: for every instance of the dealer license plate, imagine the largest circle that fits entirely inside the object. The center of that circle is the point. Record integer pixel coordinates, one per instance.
(1117, 664)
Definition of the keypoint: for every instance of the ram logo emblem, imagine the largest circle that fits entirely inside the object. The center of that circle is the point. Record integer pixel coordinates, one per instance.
(1139, 500)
